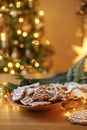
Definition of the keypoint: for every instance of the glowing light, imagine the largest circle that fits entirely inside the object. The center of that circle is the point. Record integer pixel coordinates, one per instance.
(4, 83)
(5, 69)
(10, 64)
(67, 114)
(3, 36)
(13, 13)
(36, 35)
(35, 42)
(1, 57)
(15, 42)
(21, 67)
(81, 50)
(20, 19)
(19, 32)
(0, 15)
(10, 5)
(33, 60)
(18, 4)
(41, 13)
(24, 34)
(17, 65)
(3, 7)
(21, 45)
(12, 72)
(47, 42)
(37, 20)
(37, 64)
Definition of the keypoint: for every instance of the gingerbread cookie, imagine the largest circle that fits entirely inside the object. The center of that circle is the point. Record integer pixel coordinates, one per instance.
(79, 117)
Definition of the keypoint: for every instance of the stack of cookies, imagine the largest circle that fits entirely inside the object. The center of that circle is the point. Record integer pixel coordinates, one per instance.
(39, 94)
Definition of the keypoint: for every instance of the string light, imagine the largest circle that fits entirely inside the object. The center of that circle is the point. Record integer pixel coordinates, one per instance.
(24, 34)
(37, 64)
(19, 32)
(41, 13)
(3, 36)
(36, 35)
(18, 4)
(5, 69)
(1, 57)
(12, 72)
(17, 65)
(3, 7)
(21, 45)
(13, 13)
(35, 42)
(15, 42)
(10, 64)
(37, 20)
(20, 19)
(47, 42)
(67, 113)
(21, 67)
(10, 5)
(0, 15)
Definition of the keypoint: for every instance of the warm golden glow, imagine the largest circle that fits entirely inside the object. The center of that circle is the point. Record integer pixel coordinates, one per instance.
(19, 32)
(12, 72)
(21, 45)
(20, 19)
(47, 42)
(4, 83)
(18, 4)
(13, 13)
(41, 13)
(35, 42)
(15, 42)
(37, 20)
(1, 57)
(17, 65)
(80, 50)
(10, 64)
(3, 7)
(36, 35)
(67, 114)
(24, 34)
(21, 67)
(0, 15)
(11, 5)
(3, 38)
(5, 69)
(37, 64)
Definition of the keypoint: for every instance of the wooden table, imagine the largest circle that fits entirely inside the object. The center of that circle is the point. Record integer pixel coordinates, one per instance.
(16, 118)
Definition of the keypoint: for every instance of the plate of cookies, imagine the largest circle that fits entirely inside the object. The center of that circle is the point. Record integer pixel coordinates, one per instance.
(38, 96)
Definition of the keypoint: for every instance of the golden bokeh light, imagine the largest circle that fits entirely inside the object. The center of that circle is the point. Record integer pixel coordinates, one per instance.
(10, 64)
(37, 64)
(36, 35)
(37, 20)
(20, 19)
(24, 34)
(1, 57)
(41, 13)
(17, 65)
(12, 72)
(19, 32)
(5, 69)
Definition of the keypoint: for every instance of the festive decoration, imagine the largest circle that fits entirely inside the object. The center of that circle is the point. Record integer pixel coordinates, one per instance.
(22, 46)
(82, 50)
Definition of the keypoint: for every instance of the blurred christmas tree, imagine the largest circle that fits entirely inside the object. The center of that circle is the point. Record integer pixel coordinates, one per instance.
(22, 46)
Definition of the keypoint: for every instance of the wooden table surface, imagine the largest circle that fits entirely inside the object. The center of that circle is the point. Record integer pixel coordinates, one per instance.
(15, 118)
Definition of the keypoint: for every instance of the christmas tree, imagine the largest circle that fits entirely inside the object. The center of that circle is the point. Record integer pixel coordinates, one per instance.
(22, 46)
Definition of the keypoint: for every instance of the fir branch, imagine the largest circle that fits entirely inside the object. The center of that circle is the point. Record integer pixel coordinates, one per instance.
(75, 72)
